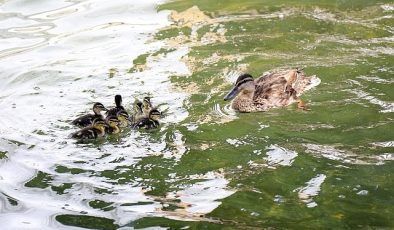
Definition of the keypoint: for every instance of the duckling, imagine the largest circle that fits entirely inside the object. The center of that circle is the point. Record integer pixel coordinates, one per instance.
(91, 132)
(138, 110)
(270, 90)
(119, 107)
(87, 119)
(147, 106)
(113, 123)
(150, 122)
(124, 118)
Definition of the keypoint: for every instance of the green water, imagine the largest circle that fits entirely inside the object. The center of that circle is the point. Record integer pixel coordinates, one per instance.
(340, 153)
(349, 45)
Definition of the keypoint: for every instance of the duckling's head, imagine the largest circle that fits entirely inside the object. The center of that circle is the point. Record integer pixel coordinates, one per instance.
(118, 100)
(155, 114)
(147, 103)
(99, 123)
(98, 107)
(244, 84)
(139, 106)
(112, 121)
(147, 100)
(123, 116)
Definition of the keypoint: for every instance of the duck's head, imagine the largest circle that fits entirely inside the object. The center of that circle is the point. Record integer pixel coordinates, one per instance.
(155, 114)
(98, 107)
(118, 100)
(244, 84)
(123, 117)
(112, 121)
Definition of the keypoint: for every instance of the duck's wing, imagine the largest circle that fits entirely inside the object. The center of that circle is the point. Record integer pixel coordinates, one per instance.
(276, 89)
(304, 83)
(84, 120)
(270, 86)
(86, 133)
(140, 123)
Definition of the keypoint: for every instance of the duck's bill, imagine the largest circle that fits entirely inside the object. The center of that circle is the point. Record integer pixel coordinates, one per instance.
(231, 94)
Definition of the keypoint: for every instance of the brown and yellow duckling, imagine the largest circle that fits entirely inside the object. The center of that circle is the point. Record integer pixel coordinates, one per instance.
(270, 90)
(150, 122)
(138, 112)
(91, 132)
(113, 125)
(124, 119)
(147, 106)
(118, 107)
(87, 120)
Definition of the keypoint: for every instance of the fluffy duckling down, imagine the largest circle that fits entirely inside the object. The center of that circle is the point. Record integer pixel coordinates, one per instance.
(91, 132)
(87, 120)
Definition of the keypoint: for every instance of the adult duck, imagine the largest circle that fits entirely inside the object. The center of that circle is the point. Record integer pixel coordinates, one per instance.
(270, 90)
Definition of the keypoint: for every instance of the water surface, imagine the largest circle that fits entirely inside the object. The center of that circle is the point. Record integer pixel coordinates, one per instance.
(207, 166)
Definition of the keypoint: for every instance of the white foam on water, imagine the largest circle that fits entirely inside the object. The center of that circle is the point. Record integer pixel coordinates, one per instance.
(387, 107)
(346, 156)
(387, 7)
(204, 196)
(279, 156)
(310, 190)
(385, 144)
(235, 142)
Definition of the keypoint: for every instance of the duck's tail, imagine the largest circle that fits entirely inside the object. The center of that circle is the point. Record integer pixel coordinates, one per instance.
(305, 83)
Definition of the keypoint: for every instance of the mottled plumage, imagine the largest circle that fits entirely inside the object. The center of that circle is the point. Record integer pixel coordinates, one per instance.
(87, 120)
(270, 90)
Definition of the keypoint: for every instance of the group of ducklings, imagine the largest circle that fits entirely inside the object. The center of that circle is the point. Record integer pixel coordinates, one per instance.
(96, 125)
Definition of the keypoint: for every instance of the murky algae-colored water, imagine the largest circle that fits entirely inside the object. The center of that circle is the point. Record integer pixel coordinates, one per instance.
(207, 166)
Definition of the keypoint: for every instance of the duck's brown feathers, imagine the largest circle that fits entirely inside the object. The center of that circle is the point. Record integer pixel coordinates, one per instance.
(274, 90)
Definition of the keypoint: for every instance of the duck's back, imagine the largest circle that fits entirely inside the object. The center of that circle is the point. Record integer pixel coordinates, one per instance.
(282, 88)
(270, 90)
(86, 133)
(85, 120)
(114, 111)
(146, 123)
(305, 83)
